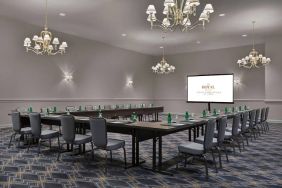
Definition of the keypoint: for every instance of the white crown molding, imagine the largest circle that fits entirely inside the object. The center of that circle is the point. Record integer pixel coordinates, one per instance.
(16, 100)
(11, 100)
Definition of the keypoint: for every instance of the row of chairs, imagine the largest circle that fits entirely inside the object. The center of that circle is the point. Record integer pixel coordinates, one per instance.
(219, 135)
(98, 137)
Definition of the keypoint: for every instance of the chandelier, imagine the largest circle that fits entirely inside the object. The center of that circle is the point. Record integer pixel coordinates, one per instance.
(178, 14)
(163, 67)
(254, 59)
(45, 44)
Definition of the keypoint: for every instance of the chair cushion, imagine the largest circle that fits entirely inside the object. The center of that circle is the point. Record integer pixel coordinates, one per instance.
(227, 135)
(191, 148)
(115, 144)
(89, 133)
(46, 134)
(26, 130)
(82, 139)
(229, 129)
(200, 140)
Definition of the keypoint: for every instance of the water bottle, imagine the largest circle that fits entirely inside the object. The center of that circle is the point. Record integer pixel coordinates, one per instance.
(169, 119)
(186, 116)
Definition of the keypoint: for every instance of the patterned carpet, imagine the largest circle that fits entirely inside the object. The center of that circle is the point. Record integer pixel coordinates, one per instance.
(259, 165)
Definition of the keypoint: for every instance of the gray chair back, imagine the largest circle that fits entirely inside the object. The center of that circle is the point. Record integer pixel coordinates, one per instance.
(209, 134)
(266, 113)
(235, 125)
(16, 121)
(35, 124)
(262, 115)
(257, 116)
(244, 121)
(68, 128)
(252, 118)
(98, 128)
(221, 129)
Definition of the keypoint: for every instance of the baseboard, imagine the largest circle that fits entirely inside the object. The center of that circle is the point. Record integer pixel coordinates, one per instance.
(275, 121)
(6, 125)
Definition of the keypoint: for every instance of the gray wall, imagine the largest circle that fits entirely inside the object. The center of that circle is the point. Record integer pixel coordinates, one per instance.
(170, 90)
(100, 73)
(273, 76)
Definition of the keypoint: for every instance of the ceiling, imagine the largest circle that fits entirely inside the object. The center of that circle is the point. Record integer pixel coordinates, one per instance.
(106, 20)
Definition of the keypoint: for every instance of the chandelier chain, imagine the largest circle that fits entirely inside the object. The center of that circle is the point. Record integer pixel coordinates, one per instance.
(46, 14)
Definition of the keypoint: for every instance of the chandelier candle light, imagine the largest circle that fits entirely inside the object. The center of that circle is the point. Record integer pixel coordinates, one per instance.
(163, 67)
(178, 13)
(45, 44)
(254, 59)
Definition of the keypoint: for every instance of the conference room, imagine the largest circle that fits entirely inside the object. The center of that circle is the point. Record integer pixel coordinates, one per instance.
(147, 93)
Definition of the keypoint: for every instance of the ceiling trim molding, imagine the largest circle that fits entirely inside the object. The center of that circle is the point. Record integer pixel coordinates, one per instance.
(16, 100)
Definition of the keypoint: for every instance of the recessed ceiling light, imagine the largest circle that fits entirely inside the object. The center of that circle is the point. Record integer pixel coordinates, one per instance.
(124, 34)
(161, 47)
(221, 15)
(198, 42)
(244, 35)
(62, 14)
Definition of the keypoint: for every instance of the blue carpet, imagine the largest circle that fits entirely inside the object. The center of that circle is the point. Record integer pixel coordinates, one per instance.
(259, 165)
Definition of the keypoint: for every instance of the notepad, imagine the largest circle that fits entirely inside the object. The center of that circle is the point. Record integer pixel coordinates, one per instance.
(172, 124)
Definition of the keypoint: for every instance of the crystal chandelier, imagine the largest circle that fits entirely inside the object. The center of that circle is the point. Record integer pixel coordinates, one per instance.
(178, 14)
(163, 67)
(254, 59)
(45, 44)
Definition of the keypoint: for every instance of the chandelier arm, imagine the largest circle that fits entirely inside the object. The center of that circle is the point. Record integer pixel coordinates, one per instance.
(254, 34)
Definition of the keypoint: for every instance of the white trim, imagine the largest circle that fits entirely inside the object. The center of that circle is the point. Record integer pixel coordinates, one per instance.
(15, 100)
(274, 121)
(184, 99)
(273, 100)
(6, 125)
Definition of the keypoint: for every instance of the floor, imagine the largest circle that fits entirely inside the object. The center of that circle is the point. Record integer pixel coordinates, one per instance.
(259, 165)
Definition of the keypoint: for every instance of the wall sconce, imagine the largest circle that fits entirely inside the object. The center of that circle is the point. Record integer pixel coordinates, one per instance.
(237, 82)
(68, 77)
(129, 83)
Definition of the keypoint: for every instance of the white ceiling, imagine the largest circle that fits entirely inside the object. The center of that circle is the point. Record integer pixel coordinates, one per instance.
(106, 20)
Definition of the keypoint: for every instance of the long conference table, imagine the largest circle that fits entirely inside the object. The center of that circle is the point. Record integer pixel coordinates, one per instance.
(139, 131)
(120, 112)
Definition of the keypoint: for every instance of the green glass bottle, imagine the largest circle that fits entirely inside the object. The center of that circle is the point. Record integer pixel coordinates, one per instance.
(169, 119)
(186, 116)
(233, 109)
(214, 112)
(240, 108)
(226, 110)
(55, 109)
(47, 110)
(246, 107)
(80, 108)
(204, 113)
(30, 109)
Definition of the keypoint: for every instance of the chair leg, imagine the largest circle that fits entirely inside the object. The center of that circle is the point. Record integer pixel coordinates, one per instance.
(239, 145)
(178, 160)
(106, 161)
(92, 147)
(29, 142)
(19, 141)
(206, 166)
(219, 156)
(214, 161)
(226, 154)
(111, 154)
(124, 154)
(50, 143)
(59, 148)
(38, 146)
(12, 136)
